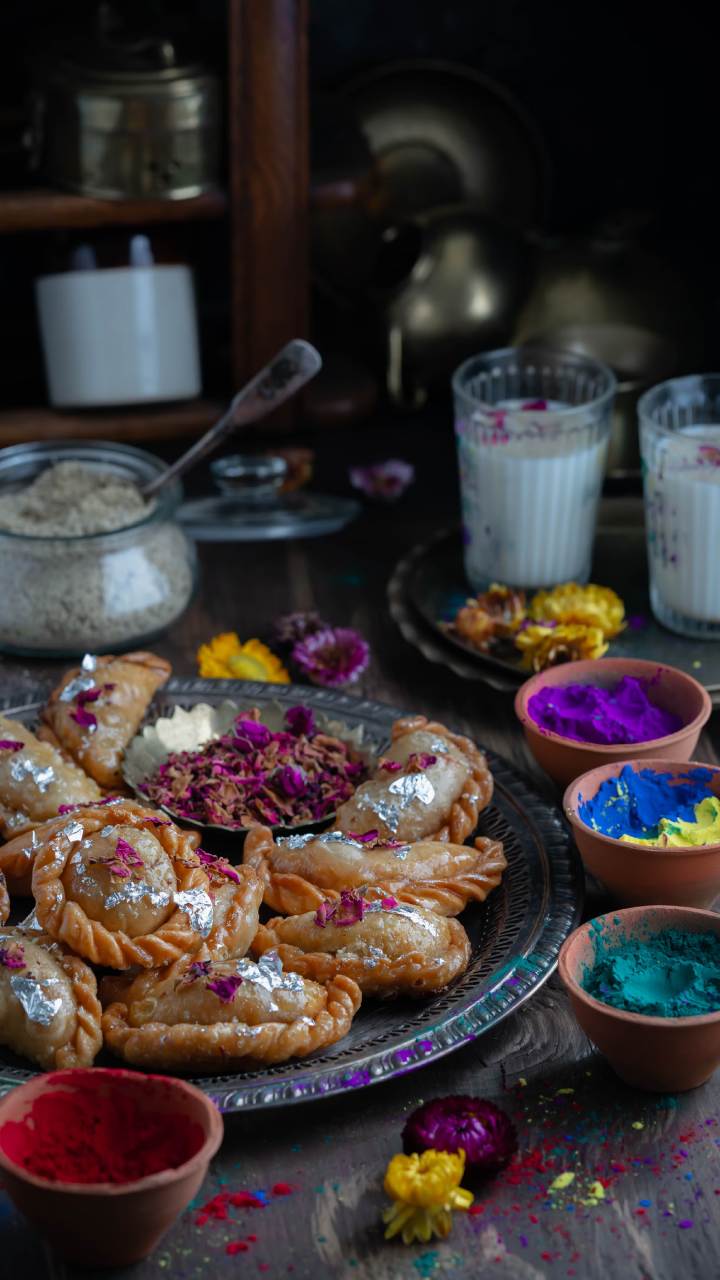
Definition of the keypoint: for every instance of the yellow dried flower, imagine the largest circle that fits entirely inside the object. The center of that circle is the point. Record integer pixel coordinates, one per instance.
(424, 1189)
(589, 606)
(493, 615)
(543, 647)
(225, 657)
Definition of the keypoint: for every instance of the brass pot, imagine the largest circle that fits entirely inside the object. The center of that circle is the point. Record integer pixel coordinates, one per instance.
(460, 280)
(121, 121)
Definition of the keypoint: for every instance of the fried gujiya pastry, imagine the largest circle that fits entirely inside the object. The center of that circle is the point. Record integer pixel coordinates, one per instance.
(4, 900)
(204, 1015)
(97, 709)
(236, 894)
(388, 947)
(35, 780)
(303, 870)
(122, 887)
(49, 1010)
(431, 784)
(17, 857)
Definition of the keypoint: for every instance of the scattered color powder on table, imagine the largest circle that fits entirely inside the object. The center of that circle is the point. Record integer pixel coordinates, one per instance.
(589, 713)
(89, 1131)
(635, 803)
(671, 974)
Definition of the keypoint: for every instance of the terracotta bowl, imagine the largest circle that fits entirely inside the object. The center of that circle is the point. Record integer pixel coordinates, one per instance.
(635, 873)
(673, 690)
(663, 1055)
(108, 1224)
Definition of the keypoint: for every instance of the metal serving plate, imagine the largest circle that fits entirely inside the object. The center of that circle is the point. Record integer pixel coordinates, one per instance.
(516, 935)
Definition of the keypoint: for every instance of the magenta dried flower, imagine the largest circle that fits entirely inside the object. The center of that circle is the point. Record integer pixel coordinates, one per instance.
(364, 837)
(291, 627)
(217, 866)
(301, 721)
(12, 957)
(257, 734)
(477, 1127)
(84, 718)
(333, 657)
(10, 744)
(325, 912)
(352, 908)
(388, 903)
(290, 781)
(384, 480)
(198, 969)
(224, 988)
(390, 766)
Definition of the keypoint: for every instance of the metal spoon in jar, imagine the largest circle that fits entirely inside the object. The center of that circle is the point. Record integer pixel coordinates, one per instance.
(277, 382)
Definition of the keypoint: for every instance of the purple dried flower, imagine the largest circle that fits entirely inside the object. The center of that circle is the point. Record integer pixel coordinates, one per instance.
(224, 988)
(301, 720)
(291, 627)
(390, 766)
(10, 744)
(84, 718)
(388, 903)
(349, 910)
(479, 1128)
(363, 837)
(290, 781)
(12, 957)
(325, 912)
(333, 657)
(252, 731)
(384, 480)
(87, 695)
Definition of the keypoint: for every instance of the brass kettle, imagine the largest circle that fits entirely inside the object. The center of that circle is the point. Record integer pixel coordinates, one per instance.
(451, 282)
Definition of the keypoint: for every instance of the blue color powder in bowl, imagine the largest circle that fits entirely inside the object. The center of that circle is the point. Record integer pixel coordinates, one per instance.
(637, 874)
(659, 958)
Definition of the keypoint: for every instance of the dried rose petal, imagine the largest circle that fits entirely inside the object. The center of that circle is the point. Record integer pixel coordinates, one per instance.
(390, 766)
(10, 744)
(363, 837)
(325, 912)
(460, 1123)
(388, 903)
(12, 957)
(217, 865)
(301, 720)
(352, 908)
(84, 718)
(127, 854)
(256, 733)
(291, 781)
(224, 988)
(198, 969)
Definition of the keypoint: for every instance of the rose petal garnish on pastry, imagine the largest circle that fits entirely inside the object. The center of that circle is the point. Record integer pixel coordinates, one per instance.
(122, 888)
(35, 779)
(430, 783)
(200, 1014)
(49, 1011)
(97, 709)
(303, 870)
(389, 948)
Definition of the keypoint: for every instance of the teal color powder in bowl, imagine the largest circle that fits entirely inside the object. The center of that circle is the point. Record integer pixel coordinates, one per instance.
(670, 974)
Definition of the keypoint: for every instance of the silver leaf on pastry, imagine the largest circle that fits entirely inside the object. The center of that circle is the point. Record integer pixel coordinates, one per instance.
(413, 786)
(268, 972)
(38, 1008)
(89, 662)
(131, 890)
(21, 768)
(80, 684)
(198, 907)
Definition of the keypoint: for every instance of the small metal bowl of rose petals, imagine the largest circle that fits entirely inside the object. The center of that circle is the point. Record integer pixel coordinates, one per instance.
(227, 769)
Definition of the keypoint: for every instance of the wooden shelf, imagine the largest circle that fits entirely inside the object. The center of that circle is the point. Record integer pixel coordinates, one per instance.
(41, 209)
(133, 424)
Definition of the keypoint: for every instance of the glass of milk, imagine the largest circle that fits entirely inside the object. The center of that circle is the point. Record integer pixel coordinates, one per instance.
(532, 430)
(680, 447)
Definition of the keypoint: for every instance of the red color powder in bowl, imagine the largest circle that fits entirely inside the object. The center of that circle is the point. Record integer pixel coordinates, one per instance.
(102, 1161)
(89, 1134)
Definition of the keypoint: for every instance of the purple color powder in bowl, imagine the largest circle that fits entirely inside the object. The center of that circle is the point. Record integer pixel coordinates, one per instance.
(590, 713)
(582, 715)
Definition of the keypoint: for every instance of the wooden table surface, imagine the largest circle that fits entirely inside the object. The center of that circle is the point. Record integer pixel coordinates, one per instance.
(657, 1157)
